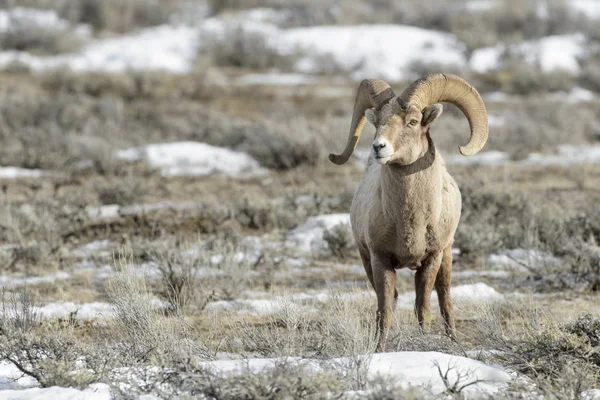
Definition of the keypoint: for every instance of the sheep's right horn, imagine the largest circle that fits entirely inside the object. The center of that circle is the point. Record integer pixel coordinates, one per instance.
(371, 93)
(450, 88)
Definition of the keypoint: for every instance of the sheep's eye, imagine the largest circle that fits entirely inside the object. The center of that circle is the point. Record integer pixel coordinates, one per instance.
(413, 122)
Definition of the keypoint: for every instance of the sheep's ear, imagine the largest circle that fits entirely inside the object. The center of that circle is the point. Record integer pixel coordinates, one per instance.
(371, 116)
(431, 113)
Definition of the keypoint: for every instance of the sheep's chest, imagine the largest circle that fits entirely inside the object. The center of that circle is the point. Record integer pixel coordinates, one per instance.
(413, 245)
(407, 244)
(408, 231)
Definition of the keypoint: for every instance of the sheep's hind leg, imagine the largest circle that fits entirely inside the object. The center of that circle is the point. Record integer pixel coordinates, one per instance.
(442, 287)
(366, 260)
(384, 279)
(424, 280)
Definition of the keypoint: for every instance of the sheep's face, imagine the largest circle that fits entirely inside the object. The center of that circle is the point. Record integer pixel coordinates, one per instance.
(401, 135)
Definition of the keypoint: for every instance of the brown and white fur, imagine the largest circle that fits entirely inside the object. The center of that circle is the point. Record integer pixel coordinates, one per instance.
(405, 213)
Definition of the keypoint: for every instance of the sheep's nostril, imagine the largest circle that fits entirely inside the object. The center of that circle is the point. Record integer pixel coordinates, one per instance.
(378, 146)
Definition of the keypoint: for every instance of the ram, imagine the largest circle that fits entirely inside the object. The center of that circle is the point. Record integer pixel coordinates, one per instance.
(407, 206)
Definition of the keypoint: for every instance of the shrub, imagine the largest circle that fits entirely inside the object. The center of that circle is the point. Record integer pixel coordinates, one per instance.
(76, 123)
(340, 241)
(146, 334)
(110, 15)
(39, 40)
(128, 190)
(47, 351)
(244, 46)
(554, 355)
(590, 72)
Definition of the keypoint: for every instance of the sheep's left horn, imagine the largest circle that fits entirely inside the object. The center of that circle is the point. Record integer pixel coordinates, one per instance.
(450, 88)
(371, 93)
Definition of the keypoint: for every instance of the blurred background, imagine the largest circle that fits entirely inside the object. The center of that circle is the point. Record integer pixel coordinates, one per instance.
(84, 79)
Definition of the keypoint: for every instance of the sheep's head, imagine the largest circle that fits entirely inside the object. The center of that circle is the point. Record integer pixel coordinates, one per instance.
(401, 135)
(402, 122)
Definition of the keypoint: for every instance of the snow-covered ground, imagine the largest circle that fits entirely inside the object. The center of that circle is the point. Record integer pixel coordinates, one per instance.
(479, 5)
(20, 280)
(83, 311)
(307, 302)
(407, 369)
(481, 158)
(276, 79)
(30, 18)
(372, 50)
(98, 248)
(563, 155)
(15, 386)
(361, 50)
(194, 159)
(115, 210)
(589, 8)
(169, 48)
(522, 260)
(16, 173)
(12, 378)
(568, 154)
(550, 53)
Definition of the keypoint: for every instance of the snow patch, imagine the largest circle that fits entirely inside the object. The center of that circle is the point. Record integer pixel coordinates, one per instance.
(591, 394)
(115, 210)
(522, 259)
(11, 280)
(97, 391)
(165, 47)
(84, 311)
(309, 236)
(276, 79)
(460, 294)
(477, 274)
(496, 97)
(575, 95)
(496, 120)
(371, 50)
(16, 172)
(480, 5)
(195, 159)
(97, 248)
(102, 212)
(307, 301)
(481, 158)
(12, 378)
(590, 8)
(408, 369)
(551, 53)
(567, 155)
(31, 18)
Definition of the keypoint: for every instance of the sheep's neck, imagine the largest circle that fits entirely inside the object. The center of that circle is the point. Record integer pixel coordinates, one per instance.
(410, 186)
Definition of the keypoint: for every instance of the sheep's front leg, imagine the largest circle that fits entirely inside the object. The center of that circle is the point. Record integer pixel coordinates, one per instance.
(384, 280)
(442, 287)
(424, 280)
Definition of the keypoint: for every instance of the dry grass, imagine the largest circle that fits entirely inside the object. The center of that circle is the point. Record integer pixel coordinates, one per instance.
(560, 356)
(146, 334)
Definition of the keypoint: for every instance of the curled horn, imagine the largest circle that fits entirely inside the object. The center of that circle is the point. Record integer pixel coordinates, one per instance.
(371, 93)
(452, 89)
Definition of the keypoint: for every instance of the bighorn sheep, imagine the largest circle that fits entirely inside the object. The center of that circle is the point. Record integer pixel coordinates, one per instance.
(407, 206)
